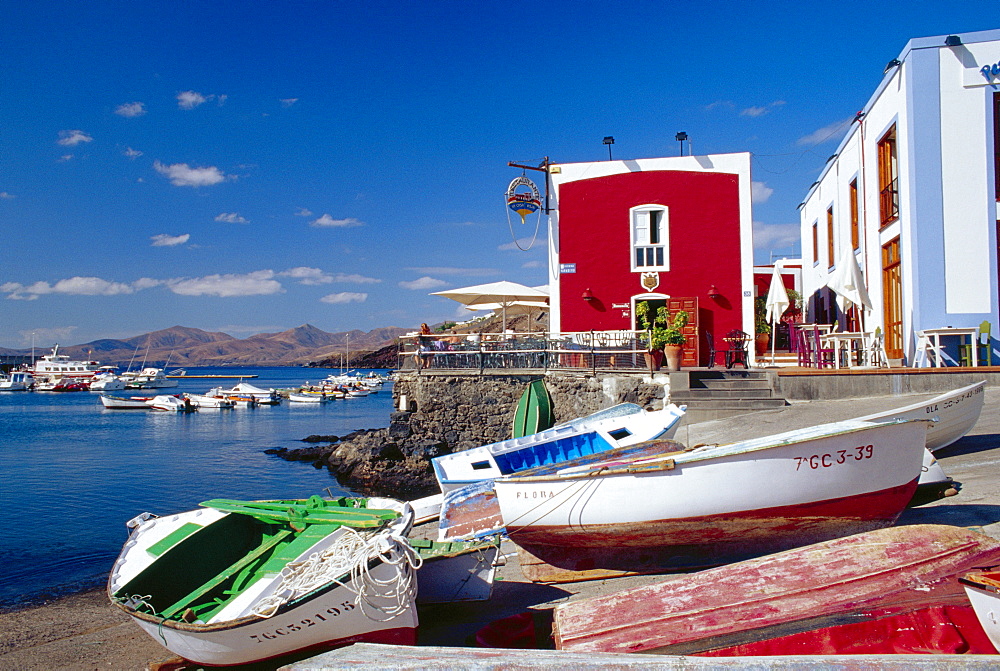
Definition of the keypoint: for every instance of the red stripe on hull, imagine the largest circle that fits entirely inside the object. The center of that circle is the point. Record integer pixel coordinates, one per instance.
(556, 553)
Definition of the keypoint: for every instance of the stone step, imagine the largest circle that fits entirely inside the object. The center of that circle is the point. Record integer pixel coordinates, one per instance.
(733, 394)
(746, 405)
(734, 384)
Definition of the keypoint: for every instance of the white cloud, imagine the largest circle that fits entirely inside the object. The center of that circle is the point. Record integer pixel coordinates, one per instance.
(423, 283)
(464, 272)
(355, 278)
(326, 221)
(188, 100)
(74, 286)
(164, 240)
(132, 153)
(288, 102)
(6, 196)
(131, 109)
(232, 218)
(309, 276)
(344, 297)
(257, 283)
(776, 236)
(65, 157)
(181, 174)
(825, 133)
(760, 192)
(44, 336)
(522, 244)
(727, 104)
(533, 264)
(761, 111)
(303, 212)
(146, 283)
(71, 138)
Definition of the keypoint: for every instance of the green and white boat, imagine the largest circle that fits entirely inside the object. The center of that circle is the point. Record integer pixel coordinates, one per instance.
(235, 582)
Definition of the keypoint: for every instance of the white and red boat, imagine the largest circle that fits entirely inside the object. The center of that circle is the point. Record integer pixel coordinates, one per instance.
(657, 506)
(125, 402)
(867, 578)
(242, 581)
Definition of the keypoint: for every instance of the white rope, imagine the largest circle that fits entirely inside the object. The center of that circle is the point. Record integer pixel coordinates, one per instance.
(350, 556)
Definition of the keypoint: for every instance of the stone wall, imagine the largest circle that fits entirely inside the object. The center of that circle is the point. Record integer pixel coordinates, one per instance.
(468, 411)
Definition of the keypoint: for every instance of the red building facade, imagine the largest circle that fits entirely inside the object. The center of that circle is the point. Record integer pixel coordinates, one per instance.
(671, 230)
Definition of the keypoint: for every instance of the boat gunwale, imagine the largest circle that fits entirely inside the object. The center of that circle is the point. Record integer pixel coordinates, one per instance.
(693, 456)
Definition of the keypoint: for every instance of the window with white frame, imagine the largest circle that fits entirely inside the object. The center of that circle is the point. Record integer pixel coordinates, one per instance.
(649, 238)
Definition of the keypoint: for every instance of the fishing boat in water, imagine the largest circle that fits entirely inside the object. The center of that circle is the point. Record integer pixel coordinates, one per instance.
(618, 426)
(16, 380)
(862, 579)
(148, 378)
(169, 403)
(236, 582)
(201, 401)
(294, 397)
(247, 390)
(125, 402)
(107, 380)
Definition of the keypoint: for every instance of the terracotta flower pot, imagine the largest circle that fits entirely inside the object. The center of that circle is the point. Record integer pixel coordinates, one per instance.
(672, 354)
(761, 342)
(654, 359)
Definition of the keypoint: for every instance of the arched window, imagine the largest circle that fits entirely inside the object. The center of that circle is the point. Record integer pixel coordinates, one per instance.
(650, 248)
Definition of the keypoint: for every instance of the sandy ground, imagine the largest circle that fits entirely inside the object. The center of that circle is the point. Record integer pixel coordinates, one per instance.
(84, 632)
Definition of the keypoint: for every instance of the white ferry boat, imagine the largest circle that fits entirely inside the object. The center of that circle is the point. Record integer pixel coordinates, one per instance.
(56, 367)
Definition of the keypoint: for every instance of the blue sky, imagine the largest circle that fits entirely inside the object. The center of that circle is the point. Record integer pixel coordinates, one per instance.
(250, 166)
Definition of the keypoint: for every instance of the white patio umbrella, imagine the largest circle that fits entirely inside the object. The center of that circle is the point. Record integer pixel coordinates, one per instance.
(849, 285)
(503, 294)
(529, 308)
(777, 302)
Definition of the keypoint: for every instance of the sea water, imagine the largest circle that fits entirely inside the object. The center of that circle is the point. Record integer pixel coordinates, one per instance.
(72, 472)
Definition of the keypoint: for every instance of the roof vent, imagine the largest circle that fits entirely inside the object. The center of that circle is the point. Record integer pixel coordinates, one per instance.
(952, 41)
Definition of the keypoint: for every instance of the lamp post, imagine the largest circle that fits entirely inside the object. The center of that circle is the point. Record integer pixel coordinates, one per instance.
(680, 137)
(609, 141)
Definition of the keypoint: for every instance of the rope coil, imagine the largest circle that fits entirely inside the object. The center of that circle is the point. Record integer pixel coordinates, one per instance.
(352, 556)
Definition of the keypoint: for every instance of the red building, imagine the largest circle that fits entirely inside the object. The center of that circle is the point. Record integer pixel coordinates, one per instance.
(674, 231)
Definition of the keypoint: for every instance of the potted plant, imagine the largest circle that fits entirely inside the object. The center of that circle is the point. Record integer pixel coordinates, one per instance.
(664, 336)
(761, 328)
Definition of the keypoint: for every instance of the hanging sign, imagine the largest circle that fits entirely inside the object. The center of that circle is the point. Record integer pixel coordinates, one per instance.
(523, 197)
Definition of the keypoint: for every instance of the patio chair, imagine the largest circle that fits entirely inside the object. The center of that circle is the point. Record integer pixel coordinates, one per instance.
(983, 343)
(736, 348)
(926, 354)
(876, 350)
(822, 357)
(712, 352)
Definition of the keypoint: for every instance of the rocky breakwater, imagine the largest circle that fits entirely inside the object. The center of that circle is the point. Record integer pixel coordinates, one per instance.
(440, 414)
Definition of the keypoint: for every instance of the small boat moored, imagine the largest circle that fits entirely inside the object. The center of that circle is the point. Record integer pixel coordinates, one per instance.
(125, 403)
(171, 403)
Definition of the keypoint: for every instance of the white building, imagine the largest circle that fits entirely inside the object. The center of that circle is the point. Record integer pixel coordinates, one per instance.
(912, 192)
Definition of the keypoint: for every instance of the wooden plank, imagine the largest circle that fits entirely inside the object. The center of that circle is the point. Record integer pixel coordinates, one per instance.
(406, 657)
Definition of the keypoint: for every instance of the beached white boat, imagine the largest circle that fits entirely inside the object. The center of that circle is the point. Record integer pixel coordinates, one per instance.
(618, 426)
(202, 401)
(171, 404)
(656, 505)
(955, 412)
(239, 582)
(983, 589)
(125, 403)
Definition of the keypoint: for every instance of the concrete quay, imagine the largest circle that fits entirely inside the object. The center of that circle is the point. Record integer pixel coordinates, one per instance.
(84, 632)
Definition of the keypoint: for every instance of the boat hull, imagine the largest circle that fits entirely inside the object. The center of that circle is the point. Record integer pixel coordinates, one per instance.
(956, 413)
(866, 576)
(694, 509)
(983, 590)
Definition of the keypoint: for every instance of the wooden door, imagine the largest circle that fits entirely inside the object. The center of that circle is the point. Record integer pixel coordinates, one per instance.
(690, 353)
(892, 299)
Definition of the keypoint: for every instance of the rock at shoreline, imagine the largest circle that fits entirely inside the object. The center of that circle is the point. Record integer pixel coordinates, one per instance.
(320, 439)
(388, 462)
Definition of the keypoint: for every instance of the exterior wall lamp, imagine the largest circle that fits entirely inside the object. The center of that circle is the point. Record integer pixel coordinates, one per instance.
(587, 296)
(713, 292)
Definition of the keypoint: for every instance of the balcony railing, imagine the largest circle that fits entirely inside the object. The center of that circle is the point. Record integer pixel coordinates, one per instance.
(580, 351)
(889, 203)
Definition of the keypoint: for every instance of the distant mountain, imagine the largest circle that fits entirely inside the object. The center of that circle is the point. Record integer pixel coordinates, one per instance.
(181, 346)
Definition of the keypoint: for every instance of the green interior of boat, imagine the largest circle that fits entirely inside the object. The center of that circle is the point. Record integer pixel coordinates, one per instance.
(199, 570)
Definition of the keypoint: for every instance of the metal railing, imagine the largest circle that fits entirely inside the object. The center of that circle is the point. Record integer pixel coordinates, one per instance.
(579, 351)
